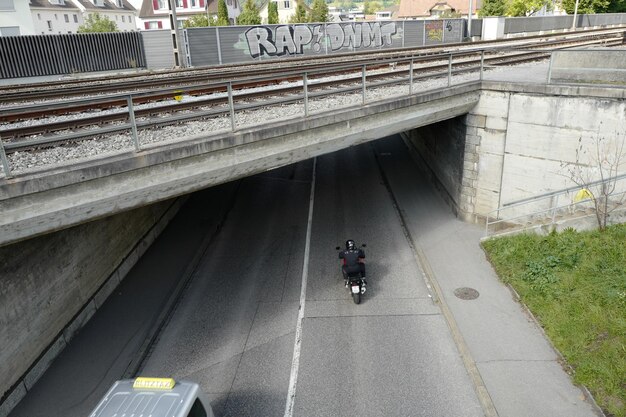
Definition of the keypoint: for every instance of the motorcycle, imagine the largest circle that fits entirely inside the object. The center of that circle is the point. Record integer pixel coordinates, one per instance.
(355, 282)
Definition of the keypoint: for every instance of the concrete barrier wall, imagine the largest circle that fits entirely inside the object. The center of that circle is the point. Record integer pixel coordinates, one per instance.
(589, 66)
(528, 136)
(51, 285)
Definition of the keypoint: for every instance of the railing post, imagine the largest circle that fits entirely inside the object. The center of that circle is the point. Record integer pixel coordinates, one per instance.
(411, 77)
(556, 204)
(550, 67)
(231, 105)
(306, 94)
(482, 63)
(450, 70)
(5, 162)
(363, 82)
(133, 123)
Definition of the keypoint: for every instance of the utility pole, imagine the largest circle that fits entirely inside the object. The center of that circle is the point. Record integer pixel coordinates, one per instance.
(575, 13)
(179, 60)
(469, 20)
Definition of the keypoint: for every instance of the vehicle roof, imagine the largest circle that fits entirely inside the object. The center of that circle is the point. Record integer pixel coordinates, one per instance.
(124, 400)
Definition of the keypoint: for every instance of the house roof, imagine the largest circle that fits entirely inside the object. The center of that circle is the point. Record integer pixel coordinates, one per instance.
(421, 8)
(45, 4)
(108, 6)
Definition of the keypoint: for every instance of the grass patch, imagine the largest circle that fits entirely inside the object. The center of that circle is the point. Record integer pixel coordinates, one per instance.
(575, 284)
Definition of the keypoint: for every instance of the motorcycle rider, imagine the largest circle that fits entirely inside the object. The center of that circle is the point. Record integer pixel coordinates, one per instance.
(353, 261)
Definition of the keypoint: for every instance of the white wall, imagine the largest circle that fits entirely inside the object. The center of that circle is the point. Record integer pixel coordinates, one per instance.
(18, 17)
(127, 24)
(40, 17)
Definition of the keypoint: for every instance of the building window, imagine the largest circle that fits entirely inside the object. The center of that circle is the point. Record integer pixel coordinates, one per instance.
(49, 22)
(7, 5)
(194, 3)
(38, 16)
(163, 4)
(123, 19)
(120, 4)
(56, 17)
(153, 25)
(67, 18)
(75, 18)
(286, 4)
(179, 3)
(10, 31)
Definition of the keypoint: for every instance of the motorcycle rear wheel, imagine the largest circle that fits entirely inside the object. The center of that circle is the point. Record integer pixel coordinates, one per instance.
(356, 297)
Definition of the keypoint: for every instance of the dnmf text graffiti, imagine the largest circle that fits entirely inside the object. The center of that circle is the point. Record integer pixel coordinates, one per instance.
(290, 40)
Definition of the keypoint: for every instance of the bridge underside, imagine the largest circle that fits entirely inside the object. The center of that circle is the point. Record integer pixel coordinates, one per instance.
(59, 198)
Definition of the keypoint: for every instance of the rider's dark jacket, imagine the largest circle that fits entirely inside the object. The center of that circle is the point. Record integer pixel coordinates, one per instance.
(351, 262)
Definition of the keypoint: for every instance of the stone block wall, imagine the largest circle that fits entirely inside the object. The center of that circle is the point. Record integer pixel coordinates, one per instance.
(51, 285)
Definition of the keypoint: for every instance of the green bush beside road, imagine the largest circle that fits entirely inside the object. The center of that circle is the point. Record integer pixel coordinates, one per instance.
(575, 285)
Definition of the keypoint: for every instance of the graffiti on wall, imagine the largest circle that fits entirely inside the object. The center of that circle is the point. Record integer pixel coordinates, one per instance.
(292, 39)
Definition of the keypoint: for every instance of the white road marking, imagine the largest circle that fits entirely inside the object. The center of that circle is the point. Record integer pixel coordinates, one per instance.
(295, 362)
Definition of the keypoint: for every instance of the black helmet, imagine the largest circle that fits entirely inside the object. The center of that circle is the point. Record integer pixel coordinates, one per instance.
(350, 245)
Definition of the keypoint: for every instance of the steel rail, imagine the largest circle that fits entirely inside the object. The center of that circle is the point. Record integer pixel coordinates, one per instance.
(222, 73)
(17, 113)
(290, 94)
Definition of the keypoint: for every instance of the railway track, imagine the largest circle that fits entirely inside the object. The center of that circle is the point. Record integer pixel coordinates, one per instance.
(211, 100)
(138, 83)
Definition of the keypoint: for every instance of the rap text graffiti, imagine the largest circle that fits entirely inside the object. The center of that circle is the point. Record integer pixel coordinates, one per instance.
(291, 40)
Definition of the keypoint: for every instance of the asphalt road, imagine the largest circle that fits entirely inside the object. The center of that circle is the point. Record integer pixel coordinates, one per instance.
(233, 331)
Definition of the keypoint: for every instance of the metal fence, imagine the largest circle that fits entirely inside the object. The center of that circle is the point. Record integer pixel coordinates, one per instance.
(547, 23)
(31, 56)
(226, 45)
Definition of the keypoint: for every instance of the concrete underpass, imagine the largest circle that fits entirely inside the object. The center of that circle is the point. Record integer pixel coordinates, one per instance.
(234, 252)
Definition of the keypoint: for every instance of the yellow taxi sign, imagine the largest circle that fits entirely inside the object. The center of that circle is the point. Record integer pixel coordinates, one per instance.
(154, 383)
(178, 96)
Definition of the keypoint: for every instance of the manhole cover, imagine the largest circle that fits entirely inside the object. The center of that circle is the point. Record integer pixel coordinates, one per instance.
(466, 293)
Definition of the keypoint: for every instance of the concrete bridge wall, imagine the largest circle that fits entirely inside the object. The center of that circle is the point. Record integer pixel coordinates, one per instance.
(518, 142)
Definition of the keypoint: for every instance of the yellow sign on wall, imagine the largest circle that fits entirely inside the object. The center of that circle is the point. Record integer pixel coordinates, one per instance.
(583, 194)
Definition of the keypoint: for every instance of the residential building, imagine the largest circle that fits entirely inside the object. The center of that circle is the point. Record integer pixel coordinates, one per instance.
(388, 13)
(427, 9)
(286, 9)
(54, 17)
(15, 18)
(155, 14)
(121, 12)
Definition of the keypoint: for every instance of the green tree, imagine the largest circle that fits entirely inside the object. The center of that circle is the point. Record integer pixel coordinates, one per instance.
(586, 6)
(197, 21)
(617, 6)
(96, 23)
(222, 13)
(300, 15)
(272, 13)
(371, 7)
(249, 15)
(319, 12)
(493, 8)
(525, 7)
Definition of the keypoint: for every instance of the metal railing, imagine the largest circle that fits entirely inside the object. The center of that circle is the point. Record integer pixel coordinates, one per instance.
(308, 81)
(548, 213)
